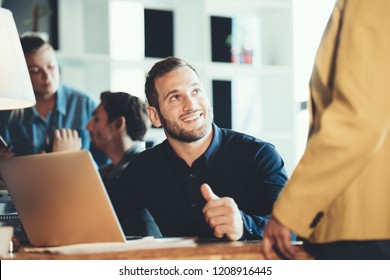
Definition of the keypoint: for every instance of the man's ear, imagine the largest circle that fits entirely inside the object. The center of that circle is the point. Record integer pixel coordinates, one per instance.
(120, 123)
(154, 116)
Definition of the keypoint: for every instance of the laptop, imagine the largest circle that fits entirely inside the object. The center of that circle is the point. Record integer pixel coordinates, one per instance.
(61, 199)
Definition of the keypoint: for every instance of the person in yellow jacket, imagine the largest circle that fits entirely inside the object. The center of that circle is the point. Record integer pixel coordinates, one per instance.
(338, 198)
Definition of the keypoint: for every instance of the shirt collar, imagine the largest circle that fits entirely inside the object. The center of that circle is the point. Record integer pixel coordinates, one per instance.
(31, 113)
(130, 153)
(211, 151)
(110, 171)
(215, 145)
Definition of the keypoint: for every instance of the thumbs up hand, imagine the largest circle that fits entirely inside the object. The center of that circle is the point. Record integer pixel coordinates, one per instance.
(222, 215)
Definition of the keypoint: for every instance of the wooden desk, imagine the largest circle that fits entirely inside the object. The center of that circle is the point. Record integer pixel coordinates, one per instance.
(239, 250)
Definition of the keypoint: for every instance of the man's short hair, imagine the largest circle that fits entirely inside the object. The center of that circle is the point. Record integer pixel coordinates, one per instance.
(158, 70)
(118, 104)
(31, 44)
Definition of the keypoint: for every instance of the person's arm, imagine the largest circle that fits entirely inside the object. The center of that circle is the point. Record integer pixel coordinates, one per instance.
(225, 217)
(270, 177)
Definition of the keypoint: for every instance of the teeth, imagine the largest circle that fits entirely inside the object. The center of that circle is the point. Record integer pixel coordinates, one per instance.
(191, 118)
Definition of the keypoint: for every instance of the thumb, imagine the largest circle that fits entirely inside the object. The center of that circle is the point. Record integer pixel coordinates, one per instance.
(207, 192)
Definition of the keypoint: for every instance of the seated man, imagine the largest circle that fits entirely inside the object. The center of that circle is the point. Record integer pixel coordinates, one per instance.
(202, 180)
(116, 128)
(32, 130)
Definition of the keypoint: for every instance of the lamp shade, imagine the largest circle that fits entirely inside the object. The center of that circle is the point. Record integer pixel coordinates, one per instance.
(16, 90)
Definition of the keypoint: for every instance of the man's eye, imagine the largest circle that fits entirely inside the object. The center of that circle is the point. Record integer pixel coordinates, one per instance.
(174, 97)
(33, 70)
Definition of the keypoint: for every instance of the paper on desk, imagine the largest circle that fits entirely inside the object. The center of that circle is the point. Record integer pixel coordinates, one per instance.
(140, 244)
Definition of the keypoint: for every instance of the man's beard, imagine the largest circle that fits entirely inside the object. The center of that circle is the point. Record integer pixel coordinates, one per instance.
(183, 135)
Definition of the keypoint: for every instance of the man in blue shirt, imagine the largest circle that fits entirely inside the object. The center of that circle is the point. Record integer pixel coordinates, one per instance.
(202, 180)
(33, 130)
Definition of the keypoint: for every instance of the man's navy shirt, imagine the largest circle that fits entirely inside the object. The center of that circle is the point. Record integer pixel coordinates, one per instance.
(235, 165)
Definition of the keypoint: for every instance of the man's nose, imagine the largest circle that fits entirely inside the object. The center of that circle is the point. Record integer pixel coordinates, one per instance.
(44, 73)
(88, 126)
(190, 103)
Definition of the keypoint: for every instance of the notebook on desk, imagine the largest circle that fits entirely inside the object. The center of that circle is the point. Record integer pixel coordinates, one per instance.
(61, 199)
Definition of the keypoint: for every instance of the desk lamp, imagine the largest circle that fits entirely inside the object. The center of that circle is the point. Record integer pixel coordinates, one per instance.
(16, 90)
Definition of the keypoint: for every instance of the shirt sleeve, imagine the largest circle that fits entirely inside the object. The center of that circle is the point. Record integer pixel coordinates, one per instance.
(269, 179)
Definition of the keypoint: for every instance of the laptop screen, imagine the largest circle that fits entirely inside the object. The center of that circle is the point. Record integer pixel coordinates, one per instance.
(61, 199)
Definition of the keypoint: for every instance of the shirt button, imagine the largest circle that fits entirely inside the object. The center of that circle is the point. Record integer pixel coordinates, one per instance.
(194, 205)
(192, 175)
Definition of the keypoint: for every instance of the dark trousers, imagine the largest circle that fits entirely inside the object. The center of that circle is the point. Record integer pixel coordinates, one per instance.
(350, 250)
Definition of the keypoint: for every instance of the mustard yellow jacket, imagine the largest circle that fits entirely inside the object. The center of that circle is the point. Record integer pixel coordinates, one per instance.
(340, 189)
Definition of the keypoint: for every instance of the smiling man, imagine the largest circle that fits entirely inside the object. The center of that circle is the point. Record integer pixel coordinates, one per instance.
(202, 180)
